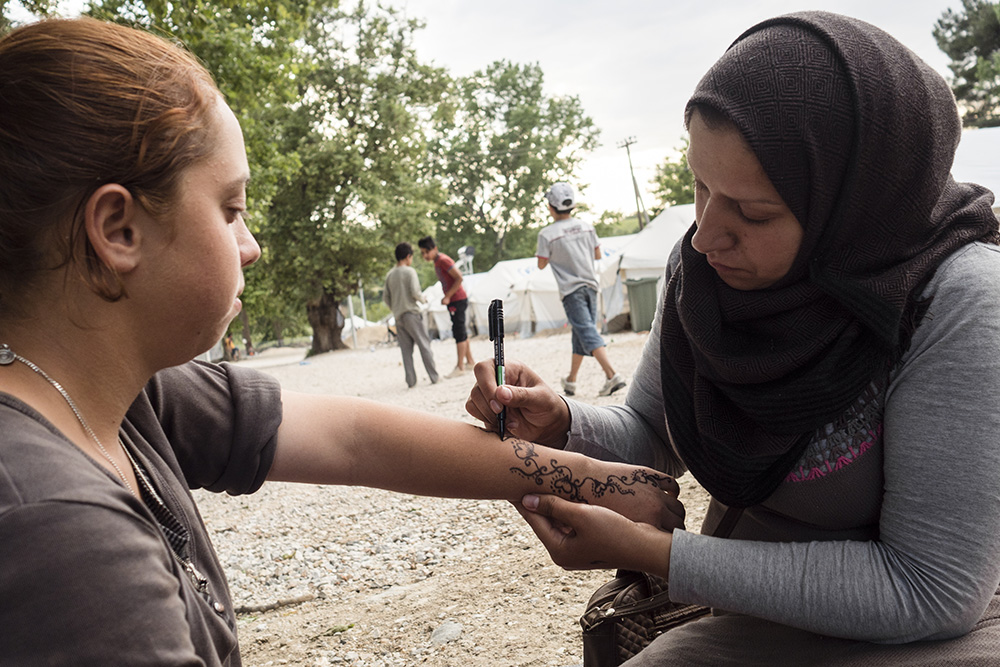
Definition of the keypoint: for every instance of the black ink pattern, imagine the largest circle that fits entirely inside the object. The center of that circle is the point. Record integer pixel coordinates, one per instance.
(562, 482)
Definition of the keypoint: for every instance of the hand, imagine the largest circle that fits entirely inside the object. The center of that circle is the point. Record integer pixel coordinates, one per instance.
(534, 411)
(587, 537)
(640, 494)
(445, 301)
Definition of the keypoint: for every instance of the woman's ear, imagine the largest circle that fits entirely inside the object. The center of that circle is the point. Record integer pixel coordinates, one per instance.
(110, 219)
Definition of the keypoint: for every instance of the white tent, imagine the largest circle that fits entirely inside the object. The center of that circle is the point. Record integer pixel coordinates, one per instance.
(531, 298)
(646, 255)
(642, 255)
(530, 295)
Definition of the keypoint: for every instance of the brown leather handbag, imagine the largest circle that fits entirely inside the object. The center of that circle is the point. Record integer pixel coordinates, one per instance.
(624, 615)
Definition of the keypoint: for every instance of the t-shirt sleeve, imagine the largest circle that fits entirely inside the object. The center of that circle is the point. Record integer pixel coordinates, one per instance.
(543, 246)
(88, 585)
(221, 421)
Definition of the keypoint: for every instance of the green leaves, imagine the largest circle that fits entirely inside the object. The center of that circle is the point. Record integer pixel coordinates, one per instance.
(673, 183)
(971, 38)
(499, 145)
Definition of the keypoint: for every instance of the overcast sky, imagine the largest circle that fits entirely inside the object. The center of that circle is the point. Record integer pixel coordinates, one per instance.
(633, 63)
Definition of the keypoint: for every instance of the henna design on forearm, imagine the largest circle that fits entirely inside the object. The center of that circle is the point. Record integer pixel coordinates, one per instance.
(562, 482)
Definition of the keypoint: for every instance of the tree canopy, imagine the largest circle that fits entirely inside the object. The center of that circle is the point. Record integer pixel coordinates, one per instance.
(971, 38)
(358, 130)
(502, 142)
(673, 183)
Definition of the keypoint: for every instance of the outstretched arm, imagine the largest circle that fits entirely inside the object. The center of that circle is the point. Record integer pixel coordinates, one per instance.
(343, 440)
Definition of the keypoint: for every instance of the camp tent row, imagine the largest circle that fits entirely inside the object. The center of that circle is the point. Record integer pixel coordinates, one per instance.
(530, 297)
(531, 300)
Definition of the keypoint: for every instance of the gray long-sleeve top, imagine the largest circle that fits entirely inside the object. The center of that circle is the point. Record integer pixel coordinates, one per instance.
(402, 291)
(889, 533)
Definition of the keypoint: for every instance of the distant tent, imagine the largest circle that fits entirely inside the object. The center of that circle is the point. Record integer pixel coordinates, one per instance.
(531, 298)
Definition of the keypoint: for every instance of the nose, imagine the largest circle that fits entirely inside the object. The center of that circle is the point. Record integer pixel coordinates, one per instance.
(249, 248)
(712, 233)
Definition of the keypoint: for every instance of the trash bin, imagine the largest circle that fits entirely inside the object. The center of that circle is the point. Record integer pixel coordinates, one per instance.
(642, 302)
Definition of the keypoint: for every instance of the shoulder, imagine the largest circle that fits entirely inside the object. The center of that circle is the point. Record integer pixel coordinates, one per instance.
(962, 315)
(970, 275)
(444, 260)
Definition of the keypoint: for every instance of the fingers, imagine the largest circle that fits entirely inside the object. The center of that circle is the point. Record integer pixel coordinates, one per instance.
(551, 534)
(553, 507)
(662, 480)
(673, 514)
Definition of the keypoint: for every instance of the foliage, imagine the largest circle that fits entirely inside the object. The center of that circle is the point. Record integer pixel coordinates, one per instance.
(361, 187)
(971, 38)
(501, 143)
(616, 223)
(673, 183)
(32, 7)
(250, 48)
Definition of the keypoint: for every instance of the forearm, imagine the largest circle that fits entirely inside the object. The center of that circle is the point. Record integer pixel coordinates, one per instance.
(340, 440)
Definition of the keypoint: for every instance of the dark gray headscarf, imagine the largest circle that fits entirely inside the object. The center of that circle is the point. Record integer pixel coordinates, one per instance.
(858, 135)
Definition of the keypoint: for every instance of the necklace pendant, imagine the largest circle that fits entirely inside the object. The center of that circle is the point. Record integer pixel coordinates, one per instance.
(7, 355)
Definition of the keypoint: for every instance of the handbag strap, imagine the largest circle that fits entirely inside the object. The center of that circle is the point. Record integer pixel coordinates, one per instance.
(728, 522)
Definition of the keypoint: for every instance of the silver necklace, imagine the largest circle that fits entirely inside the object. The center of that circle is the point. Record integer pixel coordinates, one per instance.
(8, 356)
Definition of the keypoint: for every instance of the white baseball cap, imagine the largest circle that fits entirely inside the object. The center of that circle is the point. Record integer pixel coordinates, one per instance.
(562, 197)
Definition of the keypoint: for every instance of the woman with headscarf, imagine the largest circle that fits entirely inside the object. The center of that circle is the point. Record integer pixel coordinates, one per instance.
(826, 358)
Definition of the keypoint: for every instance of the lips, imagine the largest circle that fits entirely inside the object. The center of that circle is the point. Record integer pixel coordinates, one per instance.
(721, 268)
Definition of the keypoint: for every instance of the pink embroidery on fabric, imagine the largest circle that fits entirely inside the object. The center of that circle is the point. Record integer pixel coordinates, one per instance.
(802, 474)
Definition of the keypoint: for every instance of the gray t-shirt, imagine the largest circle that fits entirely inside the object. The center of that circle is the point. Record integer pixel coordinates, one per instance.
(86, 575)
(569, 246)
(888, 529)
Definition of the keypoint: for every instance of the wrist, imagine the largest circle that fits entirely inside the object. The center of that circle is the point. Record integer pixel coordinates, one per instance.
(656, 554)
(559, 437)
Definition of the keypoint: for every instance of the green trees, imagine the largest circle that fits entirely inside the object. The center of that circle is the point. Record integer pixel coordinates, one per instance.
(358, 131)
(971, 38)
(251, 48)
(673, 183)
(501, 143)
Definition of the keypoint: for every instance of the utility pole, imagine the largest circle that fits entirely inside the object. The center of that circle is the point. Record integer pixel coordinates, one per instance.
(640, 209)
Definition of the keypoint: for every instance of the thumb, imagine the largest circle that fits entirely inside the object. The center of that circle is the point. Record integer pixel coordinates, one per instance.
(551, 506)
(513, 396)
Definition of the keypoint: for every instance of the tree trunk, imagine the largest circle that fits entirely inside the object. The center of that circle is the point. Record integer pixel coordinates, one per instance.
(327, 322)
(278, 329)
(247, 341)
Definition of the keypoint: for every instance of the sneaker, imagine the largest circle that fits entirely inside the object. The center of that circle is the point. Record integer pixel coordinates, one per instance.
(456, 372)
(569, 388)
(614, 383)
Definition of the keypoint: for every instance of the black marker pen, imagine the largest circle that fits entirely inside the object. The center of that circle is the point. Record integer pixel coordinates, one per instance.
(496, 335)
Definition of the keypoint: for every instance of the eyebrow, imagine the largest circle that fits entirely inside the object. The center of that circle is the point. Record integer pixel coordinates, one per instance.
(239, 182)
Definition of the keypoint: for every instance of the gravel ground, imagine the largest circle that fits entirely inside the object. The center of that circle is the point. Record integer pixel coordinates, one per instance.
(364, 577)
